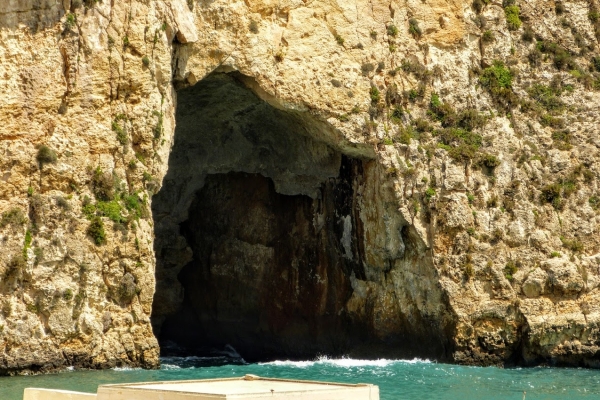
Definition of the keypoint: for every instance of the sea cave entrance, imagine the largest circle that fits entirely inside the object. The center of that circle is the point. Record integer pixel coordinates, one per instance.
(260, 237)
(254, 230)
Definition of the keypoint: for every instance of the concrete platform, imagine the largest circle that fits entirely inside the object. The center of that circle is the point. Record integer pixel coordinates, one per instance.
(247, 387)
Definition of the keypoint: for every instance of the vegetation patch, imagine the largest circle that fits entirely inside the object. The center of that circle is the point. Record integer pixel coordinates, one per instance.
(134, 205)
(512, 17)
(468, 119)
(406, 134)
(562, 140)
(547, 97)
(497, 79)
(45, 155)
(552, 121)
(27, 243)
(119, 126)
(461, 144)
(478, 5)
(487, 37)
(417, 69)
(429, 193)
(396, 115)
(556, 193)
(158, 128)
(575, 245)
(489, 161)
(367, 68)
(510, 269)
(392, 30)
(111, 210)
(14, 217)
(96, 231)
(594, 202)
(103, 185)
(527, 35)
(414, 29)
(70, 21)
(375, 94)
(561, 57)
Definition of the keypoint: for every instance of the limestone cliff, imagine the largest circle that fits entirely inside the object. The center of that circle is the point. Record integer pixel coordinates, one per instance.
(298, 177)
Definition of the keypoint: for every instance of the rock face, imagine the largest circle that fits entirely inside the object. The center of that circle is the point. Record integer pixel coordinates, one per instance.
(293, 178)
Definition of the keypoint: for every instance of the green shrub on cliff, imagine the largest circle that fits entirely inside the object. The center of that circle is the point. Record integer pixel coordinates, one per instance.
(442, 112)
(91, 3)
(429, 193)
(488, 36)
(67, 294)
(461, 144)
(392, 30)
(555, 193)
(375, 94)
(575, 245)
(497, 79)
(103, 185)
(414, 29)
(70, 21)
(479, 4)
(96, 231)
(27, 243)
(158, 128)
(547, 96)
(489, 161)
(134, 205)
(111, 210)
(45, 155)
(594, 202)
(119, 127)
(561, 57)
(512, 17)
(562, 140)
(510, 269)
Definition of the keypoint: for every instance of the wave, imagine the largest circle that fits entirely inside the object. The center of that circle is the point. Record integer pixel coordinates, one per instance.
(229, 356)
(126, 369)
(345, 362)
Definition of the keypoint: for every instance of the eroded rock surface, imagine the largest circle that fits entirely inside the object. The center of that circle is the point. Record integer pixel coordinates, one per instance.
(473, 216)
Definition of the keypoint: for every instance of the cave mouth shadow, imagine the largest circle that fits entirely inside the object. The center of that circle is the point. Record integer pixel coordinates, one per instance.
(260, 238)
(249, 225)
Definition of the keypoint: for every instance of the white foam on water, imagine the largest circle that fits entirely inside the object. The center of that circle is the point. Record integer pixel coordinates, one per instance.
(345, 362)
(288, 363)
(169, 367)
(126, 369)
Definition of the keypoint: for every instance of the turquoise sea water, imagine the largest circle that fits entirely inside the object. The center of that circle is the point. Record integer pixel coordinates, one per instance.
(397, 379)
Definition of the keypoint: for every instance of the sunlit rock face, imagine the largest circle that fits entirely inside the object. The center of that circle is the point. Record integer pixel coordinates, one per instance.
(487, 249)
(266, 239)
